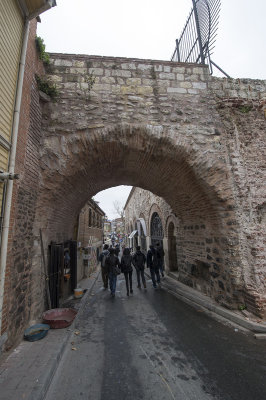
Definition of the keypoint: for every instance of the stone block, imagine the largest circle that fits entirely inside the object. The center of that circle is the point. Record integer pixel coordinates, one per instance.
(158, 68)
(144, 90)
(63, 63)
(128, 89)
(199, 85)
(144, 67)
(79, 64)
(193, 91)
(130, 66)
(121, 73)
(167, 68)
(96, 71)
(108, 79)
(180, 77)
(176, 90)
(70, 85)
(186, 85)
(101, 87)
(179, 70)
(133, 81)
(165, 75)
(78, 71)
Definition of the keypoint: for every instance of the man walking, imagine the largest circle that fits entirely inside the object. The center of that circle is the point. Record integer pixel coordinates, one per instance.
(139, 260)
(113, 267)
(160, 251)
(153, 264)
(102, 258)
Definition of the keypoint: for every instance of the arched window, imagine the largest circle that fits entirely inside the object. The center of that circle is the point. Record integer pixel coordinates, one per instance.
(156, 229)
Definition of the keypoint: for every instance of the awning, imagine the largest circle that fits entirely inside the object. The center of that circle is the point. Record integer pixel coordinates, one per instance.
(132, 234)
(141, 222)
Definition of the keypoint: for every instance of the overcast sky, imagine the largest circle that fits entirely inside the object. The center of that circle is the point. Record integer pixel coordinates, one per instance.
(148, 29)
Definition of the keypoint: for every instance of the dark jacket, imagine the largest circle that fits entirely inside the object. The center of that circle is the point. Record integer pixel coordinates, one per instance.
(117, 250)
(153, 259)
(139, 260)
(111, 262)
(103, 257)
(126, 262)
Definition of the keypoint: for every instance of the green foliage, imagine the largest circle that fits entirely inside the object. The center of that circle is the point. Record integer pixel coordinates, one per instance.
(41, 49)
(90, 80)
(244, 109)
(242, 307)
(47, 87)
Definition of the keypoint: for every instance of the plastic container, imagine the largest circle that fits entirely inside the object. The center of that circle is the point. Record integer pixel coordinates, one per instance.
(36, 332)
(78, 293)
(59, 317)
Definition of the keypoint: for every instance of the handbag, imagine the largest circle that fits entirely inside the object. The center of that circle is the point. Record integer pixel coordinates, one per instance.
(117, 270)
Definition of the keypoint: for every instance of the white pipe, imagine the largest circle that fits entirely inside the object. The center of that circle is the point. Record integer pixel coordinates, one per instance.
(11, 169)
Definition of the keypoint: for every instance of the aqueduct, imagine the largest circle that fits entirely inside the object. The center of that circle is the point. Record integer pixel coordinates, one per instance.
(172, 129)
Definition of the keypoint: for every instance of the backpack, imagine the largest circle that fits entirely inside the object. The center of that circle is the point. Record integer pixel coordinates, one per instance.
(104, 259)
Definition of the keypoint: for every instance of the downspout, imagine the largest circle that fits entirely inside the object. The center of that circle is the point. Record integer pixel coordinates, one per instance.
(12, 159)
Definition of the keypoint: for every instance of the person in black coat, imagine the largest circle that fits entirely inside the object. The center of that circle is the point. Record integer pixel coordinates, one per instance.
(112, 263)
(139, 260)
(153, 263)
(126, 268)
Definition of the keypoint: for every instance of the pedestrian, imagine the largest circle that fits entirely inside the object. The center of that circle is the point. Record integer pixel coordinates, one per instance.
(102, 258)
(153, 264)
(139, 260)
(113, 266)
(126, 268)
(117, 250)
(160, 251)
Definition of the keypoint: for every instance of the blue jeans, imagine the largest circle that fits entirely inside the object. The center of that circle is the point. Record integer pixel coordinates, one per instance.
(112, 282)
(153, 273)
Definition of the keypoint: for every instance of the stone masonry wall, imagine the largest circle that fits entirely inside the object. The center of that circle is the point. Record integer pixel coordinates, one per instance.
(173, 130)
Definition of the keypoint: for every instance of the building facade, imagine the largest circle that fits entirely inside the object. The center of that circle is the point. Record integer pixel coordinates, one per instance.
(90, 238)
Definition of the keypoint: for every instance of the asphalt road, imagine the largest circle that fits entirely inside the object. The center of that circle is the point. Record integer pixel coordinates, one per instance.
(153, 346)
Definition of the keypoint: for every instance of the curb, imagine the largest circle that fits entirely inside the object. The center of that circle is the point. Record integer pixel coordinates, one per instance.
(51, 371)
(197, 299)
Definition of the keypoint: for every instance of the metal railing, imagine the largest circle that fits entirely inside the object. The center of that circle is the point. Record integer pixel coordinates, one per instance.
(197, 39)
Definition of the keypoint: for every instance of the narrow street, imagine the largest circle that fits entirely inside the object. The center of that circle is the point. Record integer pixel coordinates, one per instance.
(153, 346)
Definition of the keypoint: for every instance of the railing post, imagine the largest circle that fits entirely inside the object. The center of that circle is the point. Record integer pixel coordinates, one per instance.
(198, 31)
(177, 50)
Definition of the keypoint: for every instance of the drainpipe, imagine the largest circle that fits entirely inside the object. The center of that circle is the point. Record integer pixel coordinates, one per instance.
(12, 159)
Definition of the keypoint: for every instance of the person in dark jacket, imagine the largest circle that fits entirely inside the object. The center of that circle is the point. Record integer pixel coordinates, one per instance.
(117, 250)
(153, 264)
(126, 268)
(102, 258)
(139, 260)
(112, 263)
(160, 250)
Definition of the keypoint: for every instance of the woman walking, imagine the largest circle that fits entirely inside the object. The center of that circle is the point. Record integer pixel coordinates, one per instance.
(126, 268)
(112, 263)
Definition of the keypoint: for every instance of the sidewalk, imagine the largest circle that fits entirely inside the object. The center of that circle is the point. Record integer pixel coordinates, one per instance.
(204, 303)
(28, 371)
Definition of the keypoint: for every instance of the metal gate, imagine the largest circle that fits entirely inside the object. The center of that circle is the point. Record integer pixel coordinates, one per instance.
(56, 269)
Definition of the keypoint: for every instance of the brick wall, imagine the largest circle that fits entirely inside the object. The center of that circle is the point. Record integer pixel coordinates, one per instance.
(22, 289)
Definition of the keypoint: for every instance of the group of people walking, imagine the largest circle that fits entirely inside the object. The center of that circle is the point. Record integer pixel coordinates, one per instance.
(111, 266)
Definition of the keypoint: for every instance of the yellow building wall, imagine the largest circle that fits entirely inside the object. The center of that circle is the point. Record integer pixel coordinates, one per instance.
(11, 31)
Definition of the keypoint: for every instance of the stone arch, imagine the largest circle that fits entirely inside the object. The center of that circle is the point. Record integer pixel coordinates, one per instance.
(170, 168)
